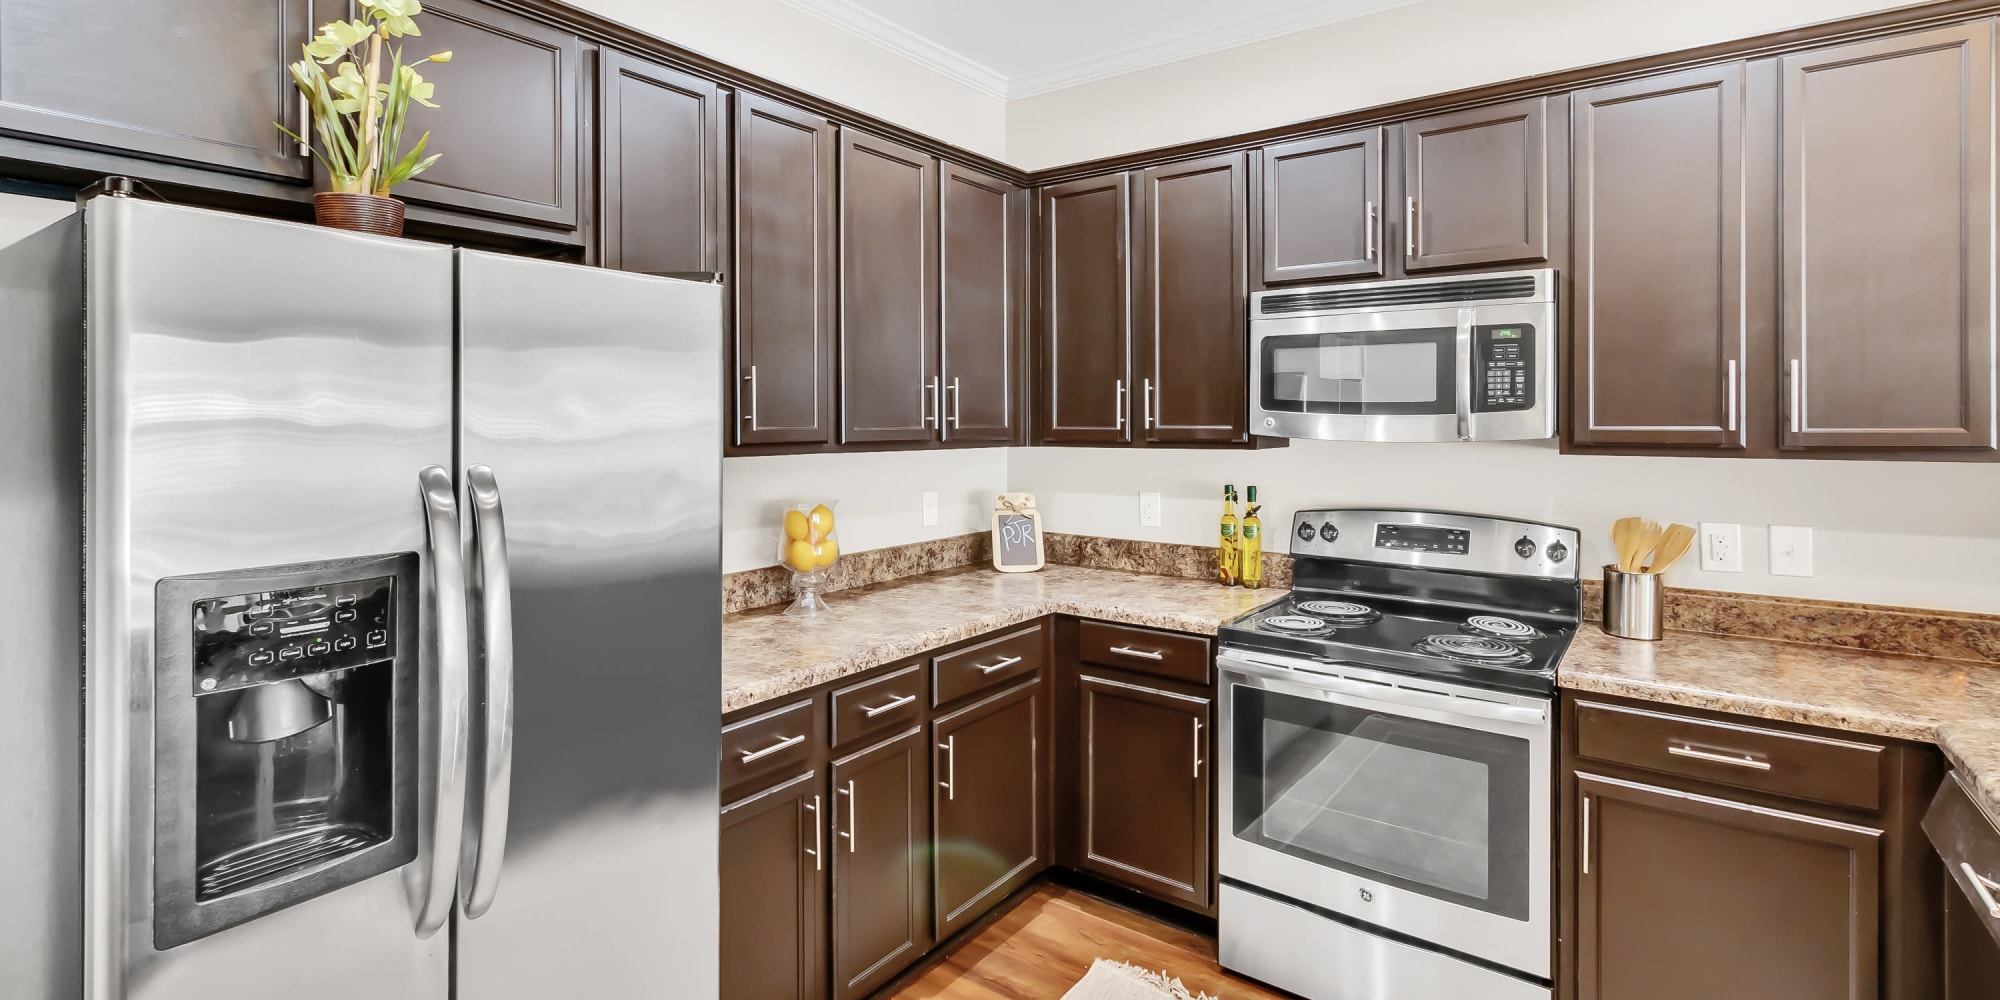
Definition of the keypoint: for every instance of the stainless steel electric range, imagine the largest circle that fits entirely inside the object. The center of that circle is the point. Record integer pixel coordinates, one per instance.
(1386, 749)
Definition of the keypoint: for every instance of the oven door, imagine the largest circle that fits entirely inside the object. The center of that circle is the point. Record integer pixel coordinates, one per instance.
(1380, 376)
(1415, 807)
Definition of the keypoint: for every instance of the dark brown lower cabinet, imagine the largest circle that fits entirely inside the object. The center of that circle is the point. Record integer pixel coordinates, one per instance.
(1683, 896)
(1143, 784)
(987, 796)
(879, 859)
(1971, 955)
(773, 879)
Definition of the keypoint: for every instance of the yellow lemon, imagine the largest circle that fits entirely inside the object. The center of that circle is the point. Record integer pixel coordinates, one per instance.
(799, 556)
(825, 553)
(795, 525)
(822, 521)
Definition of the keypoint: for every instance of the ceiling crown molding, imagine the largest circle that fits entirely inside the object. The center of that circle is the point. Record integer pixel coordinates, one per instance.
(906, 43)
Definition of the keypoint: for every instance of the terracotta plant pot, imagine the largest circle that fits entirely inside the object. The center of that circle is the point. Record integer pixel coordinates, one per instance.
(361, 213)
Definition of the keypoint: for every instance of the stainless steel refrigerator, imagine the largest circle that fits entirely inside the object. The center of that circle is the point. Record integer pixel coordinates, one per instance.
(363, 618)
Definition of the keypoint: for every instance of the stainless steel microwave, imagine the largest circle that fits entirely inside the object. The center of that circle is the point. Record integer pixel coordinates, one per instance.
(1460, 358)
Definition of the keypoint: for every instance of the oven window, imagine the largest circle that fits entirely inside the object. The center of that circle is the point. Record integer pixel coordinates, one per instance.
(1391, 372)
(1435, 809)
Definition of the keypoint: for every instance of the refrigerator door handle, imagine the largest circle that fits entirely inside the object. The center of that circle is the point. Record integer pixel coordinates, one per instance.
(486, 820)
(432, 877)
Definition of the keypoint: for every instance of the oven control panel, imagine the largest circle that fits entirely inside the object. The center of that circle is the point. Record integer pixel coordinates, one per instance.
(1423, 538)
(1503, 365)
(1438, 540)
(274, 635)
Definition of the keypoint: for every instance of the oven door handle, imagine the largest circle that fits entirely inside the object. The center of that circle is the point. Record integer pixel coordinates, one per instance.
(1388, 695)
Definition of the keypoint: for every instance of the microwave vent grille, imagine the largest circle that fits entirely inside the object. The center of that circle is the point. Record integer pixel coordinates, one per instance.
(1429, 293)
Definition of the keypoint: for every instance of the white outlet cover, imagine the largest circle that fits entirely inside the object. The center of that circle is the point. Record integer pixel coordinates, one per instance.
(1149, 510)
(1721, 547)
(930, 510)
(1791, 550)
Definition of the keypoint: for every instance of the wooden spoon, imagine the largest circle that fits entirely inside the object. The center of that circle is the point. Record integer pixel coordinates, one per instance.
(1625, 535)
(1673, 546)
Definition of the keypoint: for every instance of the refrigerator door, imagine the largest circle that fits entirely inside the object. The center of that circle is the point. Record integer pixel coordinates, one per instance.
(258, 393)
(590, 425)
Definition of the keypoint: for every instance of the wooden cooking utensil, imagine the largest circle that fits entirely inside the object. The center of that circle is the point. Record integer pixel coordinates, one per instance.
(1625, 534)
(1675, 544)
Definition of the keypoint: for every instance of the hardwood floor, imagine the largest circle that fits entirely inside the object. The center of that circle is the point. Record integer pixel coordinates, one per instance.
(1039, 949)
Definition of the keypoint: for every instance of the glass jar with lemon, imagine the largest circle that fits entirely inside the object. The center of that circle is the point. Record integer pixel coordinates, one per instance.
(807, 547)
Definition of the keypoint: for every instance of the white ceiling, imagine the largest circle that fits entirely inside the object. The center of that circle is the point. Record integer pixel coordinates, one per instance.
(1017, 48)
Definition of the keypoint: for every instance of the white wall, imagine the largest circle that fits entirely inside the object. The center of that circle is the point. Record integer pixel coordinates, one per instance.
(1906, 533)
(880, 494)
(1406, 52)
(788, 45)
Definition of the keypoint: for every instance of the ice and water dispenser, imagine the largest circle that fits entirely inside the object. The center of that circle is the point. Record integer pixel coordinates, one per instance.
(285, 734)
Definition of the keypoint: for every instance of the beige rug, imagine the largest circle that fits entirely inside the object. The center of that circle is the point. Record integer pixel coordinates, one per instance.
(1109, 980)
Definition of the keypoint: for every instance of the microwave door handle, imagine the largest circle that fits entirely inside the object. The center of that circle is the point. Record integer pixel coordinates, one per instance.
(431, 880)
(1465, 376)
(486, 839)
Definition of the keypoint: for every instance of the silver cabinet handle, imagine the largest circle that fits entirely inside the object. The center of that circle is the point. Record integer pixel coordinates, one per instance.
(1584, 851)
(751, 378)
(890, 706)
(1002, 665)
(1118, 394)
(1734, 389)
(849, 832)
(819, 845)
(305, 126)
(950, 782)
(752, 756)
(1721, 758)
(1197, 748)
(1144, 654)
(1798, 396)
(447, 736)
(956, 400)
(1146, 401)
(1368, 233)
(1984, 887)
(493, 594)
(1410, 226)
(930, 408)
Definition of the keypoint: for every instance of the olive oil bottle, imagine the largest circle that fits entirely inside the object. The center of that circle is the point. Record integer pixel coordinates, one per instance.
(1226, 564)
(1250, 549)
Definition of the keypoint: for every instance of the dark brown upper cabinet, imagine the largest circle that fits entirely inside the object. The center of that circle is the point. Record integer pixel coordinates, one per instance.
(880, 861)
(987, 794)
(662, 183)
(784, 273)
(773, 879)
(200, 81)
(507, 115)
(983, 272)
(1658, 345)
(1086, 315)
(1321, 216)
(1887, 231)
(1193, 293)
(1476, 187)
(890, 386)
(1143, 780)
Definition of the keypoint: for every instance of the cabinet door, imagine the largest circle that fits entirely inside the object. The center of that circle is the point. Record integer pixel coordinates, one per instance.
(1086, 310)
(881, 865)
(1683, 896)
(1887, 233)
(981, 246)
(662, 178)
(1194, 342)
(1322, 208)
(1971, 955)
(202, 81)
(1144, 785)
(1476, 187)
(889, 387)
(987, 798)
(1658, 342)
(506, 119)
(784, 273)
(774, 893)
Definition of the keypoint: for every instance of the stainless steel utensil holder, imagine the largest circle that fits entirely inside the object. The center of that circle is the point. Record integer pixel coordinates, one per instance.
(1633, 608)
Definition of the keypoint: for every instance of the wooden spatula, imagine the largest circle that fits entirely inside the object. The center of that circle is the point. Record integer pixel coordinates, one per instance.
(1673, 545)
(1626, 533)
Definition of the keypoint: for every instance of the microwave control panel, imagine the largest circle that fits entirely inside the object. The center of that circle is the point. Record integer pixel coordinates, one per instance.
(1503, 366)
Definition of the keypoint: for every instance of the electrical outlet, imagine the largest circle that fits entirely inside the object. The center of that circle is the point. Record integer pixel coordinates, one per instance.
(1791, 550)
(1721, 548)
(930, 510)
(1149, 510)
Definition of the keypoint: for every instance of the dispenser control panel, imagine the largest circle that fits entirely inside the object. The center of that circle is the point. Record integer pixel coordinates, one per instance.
(280, 634)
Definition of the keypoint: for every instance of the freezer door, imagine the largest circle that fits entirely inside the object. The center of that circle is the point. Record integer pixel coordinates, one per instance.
(591, 443)
(258, 393)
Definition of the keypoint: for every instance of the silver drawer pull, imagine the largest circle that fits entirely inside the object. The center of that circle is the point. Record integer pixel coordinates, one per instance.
(1984, 887)
(1721, 758)
(784, 744)
(1002, 665)
(893, 704)
(1144, 654)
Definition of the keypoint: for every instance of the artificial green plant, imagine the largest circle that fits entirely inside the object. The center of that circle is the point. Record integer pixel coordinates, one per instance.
(355, 113)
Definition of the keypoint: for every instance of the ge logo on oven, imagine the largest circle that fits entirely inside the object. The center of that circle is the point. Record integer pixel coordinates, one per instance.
(1367, 895)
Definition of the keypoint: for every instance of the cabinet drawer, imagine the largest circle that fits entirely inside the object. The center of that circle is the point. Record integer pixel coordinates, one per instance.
(765, 748)
(1162, 654)
(987, 665)
(1812, 768)
(892, 701)
(1968, 840)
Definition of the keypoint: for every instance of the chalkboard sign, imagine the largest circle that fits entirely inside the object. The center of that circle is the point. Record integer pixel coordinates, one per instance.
(1017, 534)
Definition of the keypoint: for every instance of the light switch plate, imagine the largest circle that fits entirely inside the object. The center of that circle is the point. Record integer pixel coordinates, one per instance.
(1721, 547)
(930, 510)
(1791, 550)
(1149, 510)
